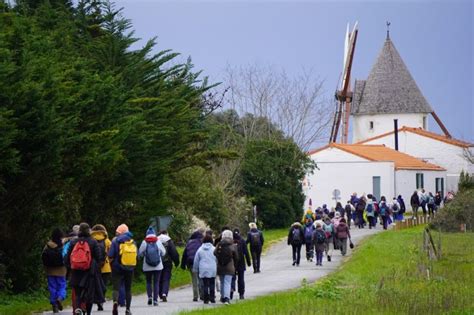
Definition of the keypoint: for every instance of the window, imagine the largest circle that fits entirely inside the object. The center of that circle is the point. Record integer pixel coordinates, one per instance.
(371, 125)
(424, 122)
(440, 185)
(419, 180)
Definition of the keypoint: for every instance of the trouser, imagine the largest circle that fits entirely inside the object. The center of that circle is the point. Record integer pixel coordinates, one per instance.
(319, 256)
(121, 297)
(329, 246)
(165, 280)
(415, 210)
(431, 209)
(57, 289)
(360, 219)
(239, 278)
(296, 253)
(349, 219)
(226, 281)
(343, 246)
(126, 277)
(423, 207)
(256, 252)
(152, 283)
(372, 221)
(87, 307)
(209, 289)
(309, 250)
(105, 279)
(197, 289)
(385, 221)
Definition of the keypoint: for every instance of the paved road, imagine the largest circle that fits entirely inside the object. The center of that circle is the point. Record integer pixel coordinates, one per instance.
(277, 274)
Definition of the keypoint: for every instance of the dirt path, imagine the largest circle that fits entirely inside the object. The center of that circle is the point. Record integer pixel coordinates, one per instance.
(277, 274)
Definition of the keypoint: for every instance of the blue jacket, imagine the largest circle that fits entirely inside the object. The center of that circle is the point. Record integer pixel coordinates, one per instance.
(114, 252)
(205, 262)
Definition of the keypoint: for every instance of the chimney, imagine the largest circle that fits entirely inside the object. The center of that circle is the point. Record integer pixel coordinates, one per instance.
(395, 132)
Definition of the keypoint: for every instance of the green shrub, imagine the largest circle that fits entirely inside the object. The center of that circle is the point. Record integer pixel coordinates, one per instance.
(459, 211)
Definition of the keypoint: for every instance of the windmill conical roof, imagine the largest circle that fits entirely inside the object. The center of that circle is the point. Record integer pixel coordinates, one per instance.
(390, 88)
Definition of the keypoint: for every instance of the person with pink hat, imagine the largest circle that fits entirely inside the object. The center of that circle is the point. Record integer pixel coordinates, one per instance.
(123, 255)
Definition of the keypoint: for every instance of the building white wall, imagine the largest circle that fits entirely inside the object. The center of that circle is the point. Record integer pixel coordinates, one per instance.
(383, 123)
(406, 182)
(348, 177)
(434, 151)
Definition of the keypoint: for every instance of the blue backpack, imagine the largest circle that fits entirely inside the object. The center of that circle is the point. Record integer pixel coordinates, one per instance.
(370, 208)
(152, 254)
(308, 233)
(383, 209)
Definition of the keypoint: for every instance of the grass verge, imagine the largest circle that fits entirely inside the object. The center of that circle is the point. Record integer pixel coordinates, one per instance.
(386, 275)
(38, 301)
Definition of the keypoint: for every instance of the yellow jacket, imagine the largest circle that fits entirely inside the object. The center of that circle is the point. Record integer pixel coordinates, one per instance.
(102, 236)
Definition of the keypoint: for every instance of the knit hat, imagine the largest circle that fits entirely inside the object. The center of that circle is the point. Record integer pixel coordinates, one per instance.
(252, 225)
(122, 228)
(150, 232)
(227, 234)
(75, 229)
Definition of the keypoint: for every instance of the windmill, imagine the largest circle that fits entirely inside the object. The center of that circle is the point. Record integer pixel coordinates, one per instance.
(344, 94)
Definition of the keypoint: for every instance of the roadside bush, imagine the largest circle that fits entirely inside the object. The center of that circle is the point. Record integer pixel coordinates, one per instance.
(457, 212)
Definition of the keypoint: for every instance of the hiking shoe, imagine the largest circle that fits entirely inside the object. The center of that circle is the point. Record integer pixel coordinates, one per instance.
(294, 263)
(163, 298)
(206, 301)
(213, 301)
(78, 311)
(155, 303)
(59, 304)
(195, 299)
(241, 296)
(226, 301)
(150, 301)
(128, 312)
(55, 308)
(115, 309)
(100, 307)
(329, 258)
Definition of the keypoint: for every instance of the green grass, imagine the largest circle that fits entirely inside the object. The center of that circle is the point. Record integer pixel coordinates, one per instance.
(273, 236)
(37, 301)
(384, 276)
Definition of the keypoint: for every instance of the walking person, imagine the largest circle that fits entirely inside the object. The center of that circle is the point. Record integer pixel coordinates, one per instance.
(84, 258)
(423, 196)
(99, 233)
(403, 208)
(319, 243)
(360, 207)
(153, 252)
(438, 200)
(55, 270)
(431, 204)
(308, 239)
(227, 259)
(384, 212)
(255, 240)
(187, 261)
(329, 231)
(370, 210)
(123, 255)
(349, 208)
(415, 203)
(243, 257)
(296, 240)
(342, 234)
(171, 257)
(205, 265)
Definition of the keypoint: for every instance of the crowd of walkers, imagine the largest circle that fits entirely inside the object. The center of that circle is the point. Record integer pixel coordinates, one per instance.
(88, 260)
(220, 263)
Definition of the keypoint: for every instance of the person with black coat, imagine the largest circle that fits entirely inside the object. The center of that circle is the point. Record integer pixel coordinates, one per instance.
(255, 240)
(415, 203)
(172, 256)
(296, 240)
(244, 257)
(87, 282)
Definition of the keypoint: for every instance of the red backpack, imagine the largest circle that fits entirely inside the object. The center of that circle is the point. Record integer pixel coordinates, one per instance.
(81, 256)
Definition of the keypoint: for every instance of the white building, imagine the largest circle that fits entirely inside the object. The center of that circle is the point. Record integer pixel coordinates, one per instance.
(372, 165)
(365, 169)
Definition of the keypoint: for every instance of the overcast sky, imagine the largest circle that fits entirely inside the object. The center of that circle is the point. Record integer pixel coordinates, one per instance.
(434, 38)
